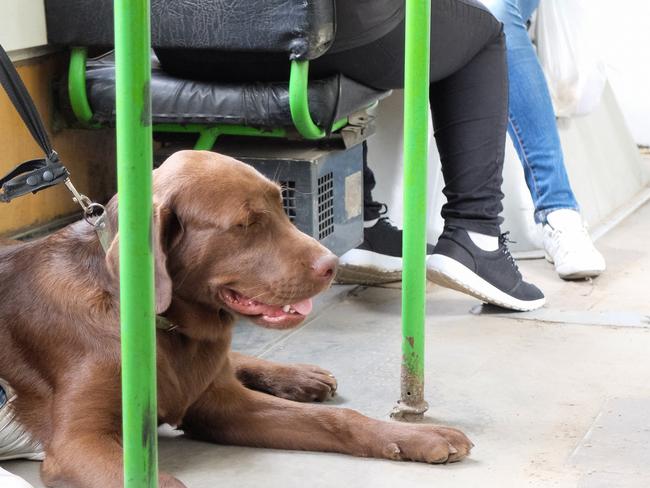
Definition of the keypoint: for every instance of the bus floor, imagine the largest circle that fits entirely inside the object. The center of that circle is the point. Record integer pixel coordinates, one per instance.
(558, 397)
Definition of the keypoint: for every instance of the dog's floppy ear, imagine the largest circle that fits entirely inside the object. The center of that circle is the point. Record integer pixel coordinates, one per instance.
(166, 229)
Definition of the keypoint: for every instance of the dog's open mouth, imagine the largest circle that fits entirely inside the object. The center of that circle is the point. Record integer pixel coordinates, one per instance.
(276, 316)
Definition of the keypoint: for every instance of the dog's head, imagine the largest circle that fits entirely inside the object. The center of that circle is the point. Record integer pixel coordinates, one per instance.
(222, 241)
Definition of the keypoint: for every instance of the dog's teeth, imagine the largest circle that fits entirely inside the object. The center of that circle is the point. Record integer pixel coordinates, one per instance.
(286, 308)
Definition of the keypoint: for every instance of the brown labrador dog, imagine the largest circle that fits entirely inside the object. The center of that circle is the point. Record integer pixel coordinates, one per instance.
(223, 248)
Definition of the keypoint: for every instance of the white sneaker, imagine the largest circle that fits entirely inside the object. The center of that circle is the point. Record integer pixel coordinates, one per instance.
(8, 480)
(568, 246)
(15, 441)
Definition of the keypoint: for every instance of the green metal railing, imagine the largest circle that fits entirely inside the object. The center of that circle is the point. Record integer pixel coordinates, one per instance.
(77, 87)
(416, 137)
(299, 101)
(134, 163)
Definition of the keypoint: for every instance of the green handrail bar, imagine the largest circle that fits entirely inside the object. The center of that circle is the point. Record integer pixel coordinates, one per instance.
(208, 134)
(77, 86)
(416, 137)
(299, 101)
(137, 309)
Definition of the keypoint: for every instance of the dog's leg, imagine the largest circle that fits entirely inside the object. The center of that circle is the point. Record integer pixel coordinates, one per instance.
(298, 382)
(85, 449)
(89, 460)
(228, 413)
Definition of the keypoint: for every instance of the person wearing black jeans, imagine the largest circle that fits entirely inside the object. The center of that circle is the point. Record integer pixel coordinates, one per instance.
(469, 103)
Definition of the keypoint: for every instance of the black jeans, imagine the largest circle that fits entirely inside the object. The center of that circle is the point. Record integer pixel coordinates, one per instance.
(468, 97)
(469, 104)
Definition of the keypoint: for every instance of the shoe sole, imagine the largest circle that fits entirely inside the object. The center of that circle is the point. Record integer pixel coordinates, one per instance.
(580, 275)
(361, 267)
(363, 275)
(576, 275)
(449, 273)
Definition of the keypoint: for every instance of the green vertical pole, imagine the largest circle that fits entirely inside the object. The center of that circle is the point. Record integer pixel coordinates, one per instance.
(134, 161)
(416, 137)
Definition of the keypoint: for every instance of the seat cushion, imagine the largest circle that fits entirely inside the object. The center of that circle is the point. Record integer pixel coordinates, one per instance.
(263, 105)
(297, 28)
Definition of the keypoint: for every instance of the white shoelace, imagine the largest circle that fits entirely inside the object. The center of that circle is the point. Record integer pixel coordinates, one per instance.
(568, 241)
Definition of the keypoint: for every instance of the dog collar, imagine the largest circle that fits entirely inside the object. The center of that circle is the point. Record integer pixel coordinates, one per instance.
(164, 324)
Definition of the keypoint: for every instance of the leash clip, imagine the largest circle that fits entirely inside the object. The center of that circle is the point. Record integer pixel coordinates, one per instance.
(84, 202)
(94, 214)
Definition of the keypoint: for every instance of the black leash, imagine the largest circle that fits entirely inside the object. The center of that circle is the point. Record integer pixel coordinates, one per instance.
(37, 174)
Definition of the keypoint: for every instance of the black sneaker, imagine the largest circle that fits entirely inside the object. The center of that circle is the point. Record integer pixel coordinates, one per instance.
(490, 276)
(378, 259)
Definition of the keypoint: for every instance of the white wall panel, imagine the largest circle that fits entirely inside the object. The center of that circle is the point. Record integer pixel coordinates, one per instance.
(22, 24)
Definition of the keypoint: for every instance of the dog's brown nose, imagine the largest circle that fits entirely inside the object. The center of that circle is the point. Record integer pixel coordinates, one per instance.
(325, 266)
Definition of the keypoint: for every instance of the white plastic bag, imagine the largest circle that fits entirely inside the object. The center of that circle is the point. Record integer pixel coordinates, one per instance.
(569, 52)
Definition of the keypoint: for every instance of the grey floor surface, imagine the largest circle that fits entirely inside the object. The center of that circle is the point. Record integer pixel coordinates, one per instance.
(554, 398)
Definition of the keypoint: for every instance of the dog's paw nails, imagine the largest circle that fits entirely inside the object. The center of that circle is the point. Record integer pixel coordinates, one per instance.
(392, 451)
(306, 383)
(427, 443)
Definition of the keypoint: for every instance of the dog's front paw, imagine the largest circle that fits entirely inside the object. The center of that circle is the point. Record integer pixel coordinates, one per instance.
(427, 444)
(303, 383)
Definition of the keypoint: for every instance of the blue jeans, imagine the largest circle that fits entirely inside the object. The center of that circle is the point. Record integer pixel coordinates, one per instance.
(531, 124)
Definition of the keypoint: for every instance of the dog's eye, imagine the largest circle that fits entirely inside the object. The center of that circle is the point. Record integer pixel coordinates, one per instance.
(248, 220)
(247, 225)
